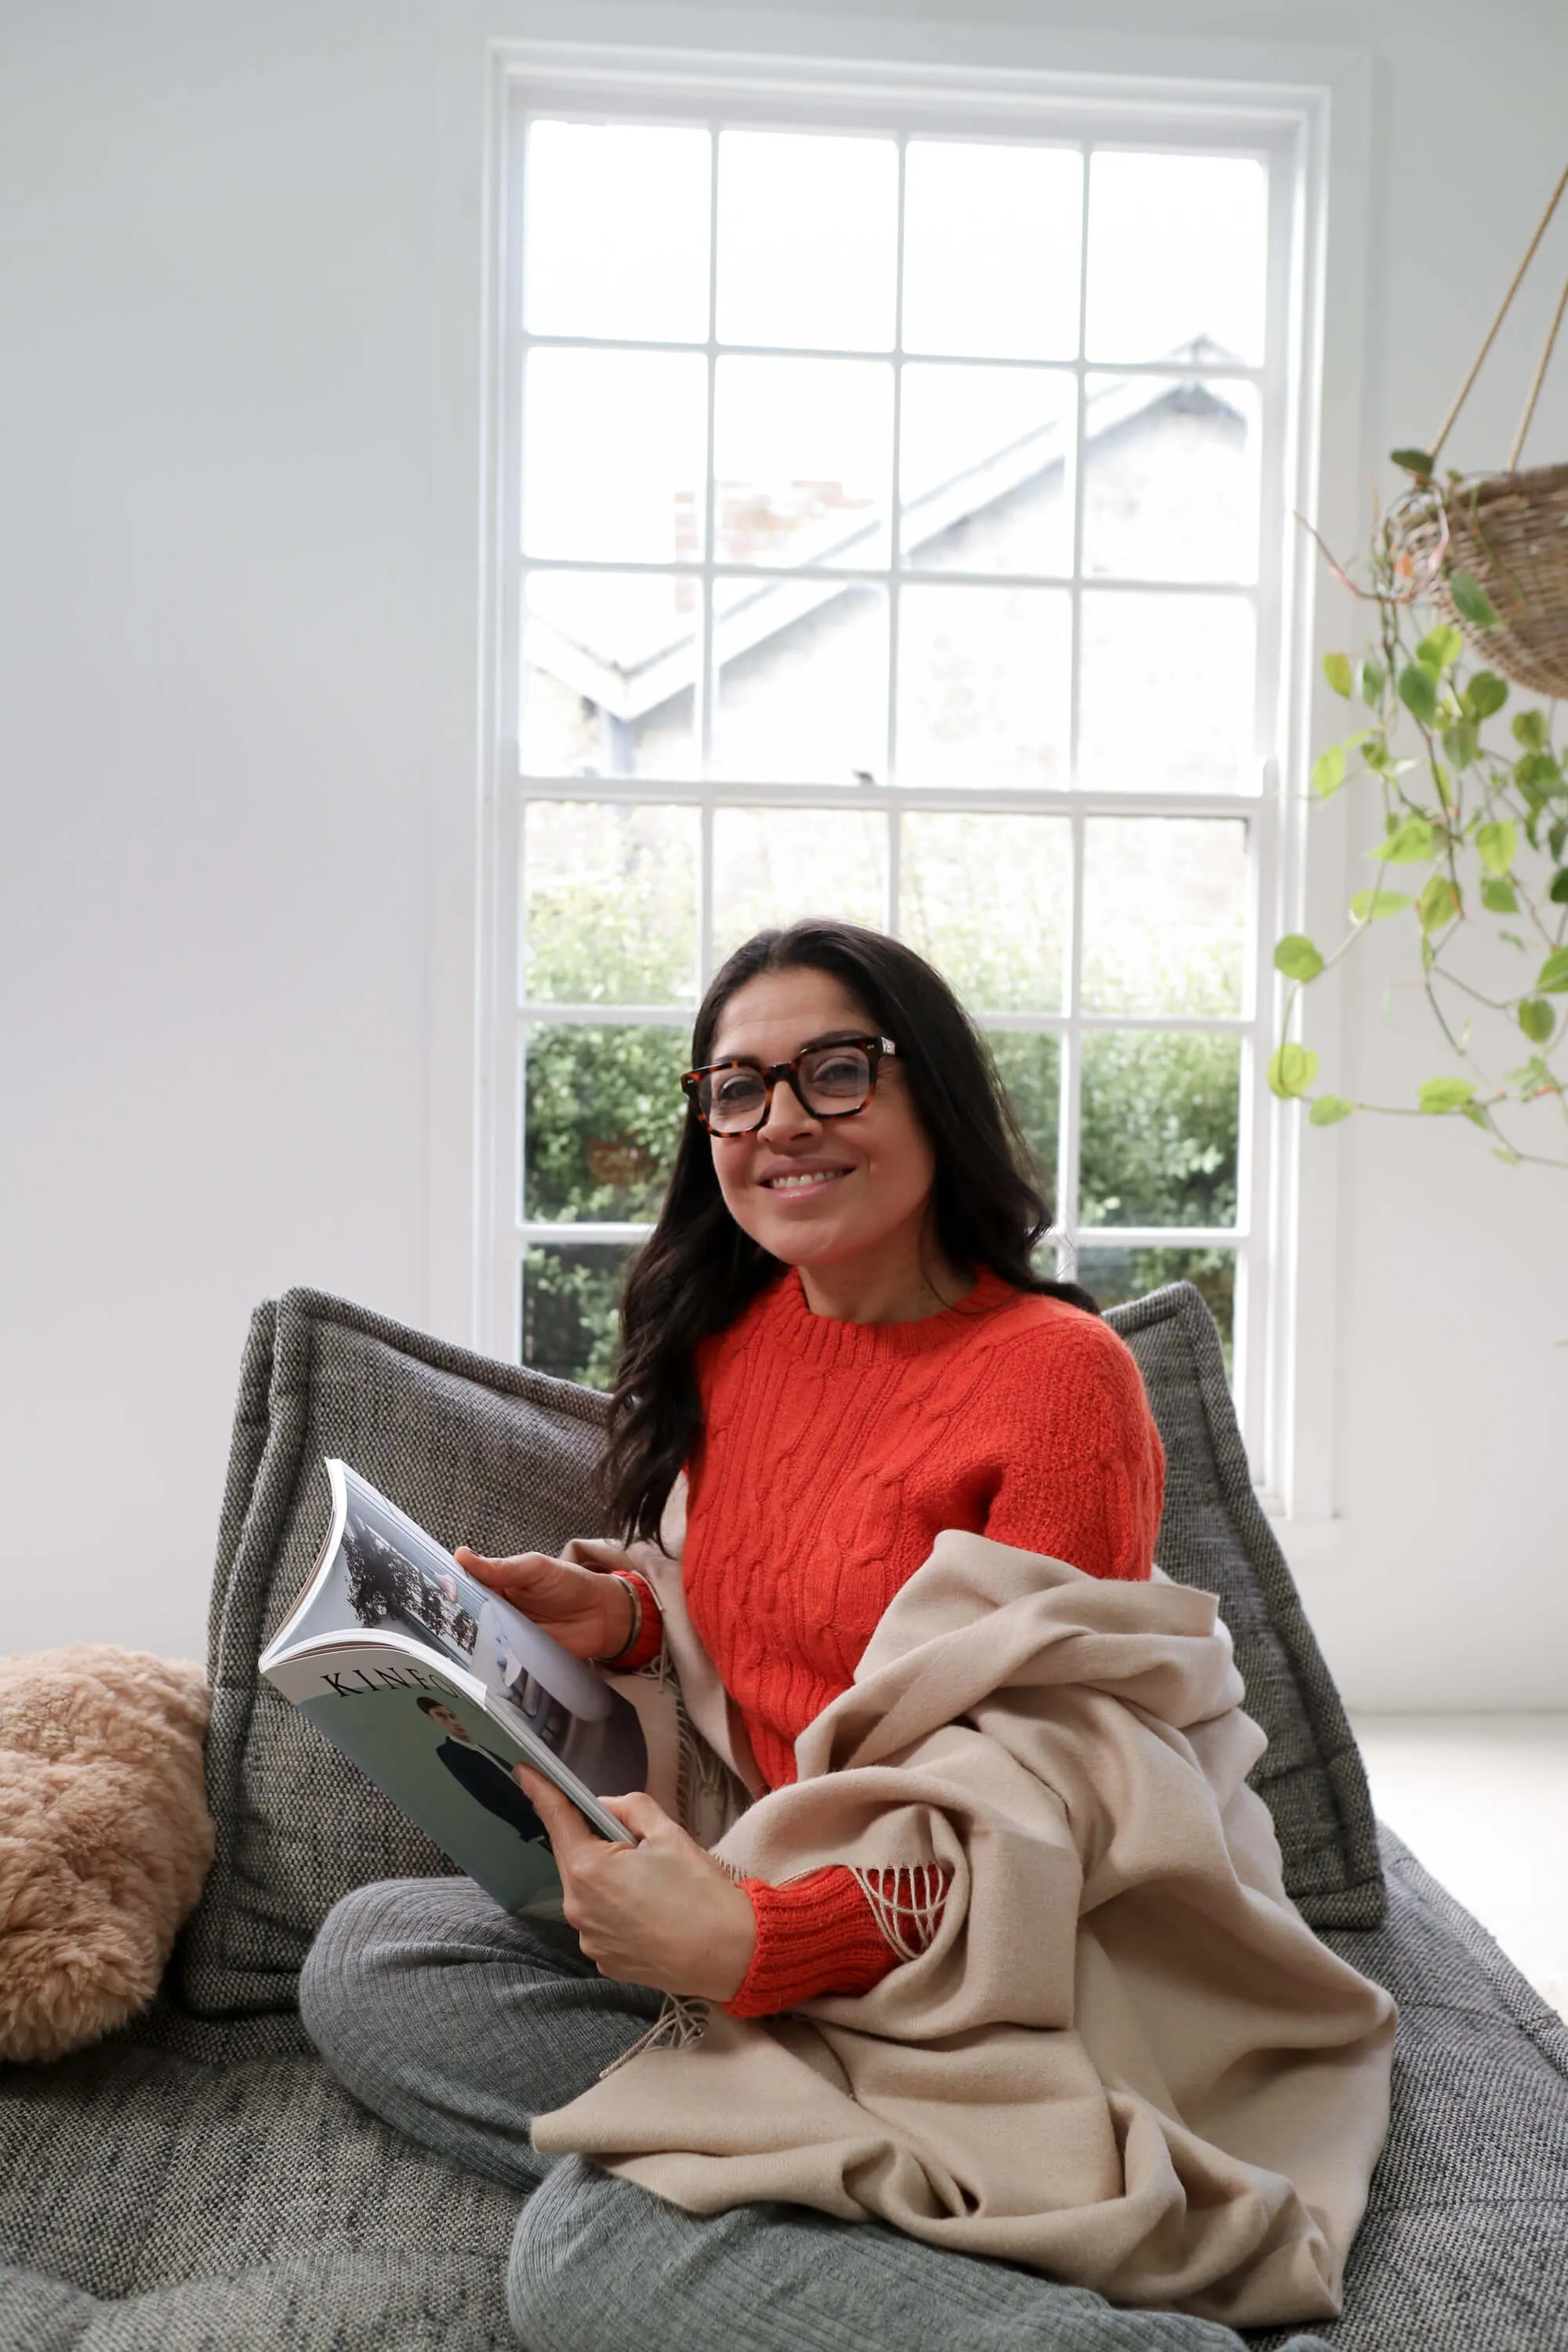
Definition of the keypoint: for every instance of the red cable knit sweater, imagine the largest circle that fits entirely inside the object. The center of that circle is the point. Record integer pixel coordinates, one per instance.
(832, 1456)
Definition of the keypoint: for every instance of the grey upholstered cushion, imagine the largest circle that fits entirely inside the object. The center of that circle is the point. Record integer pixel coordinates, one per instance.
(192, 2187)
(1464, 2244)
(1214, 1534)
(476, 1451)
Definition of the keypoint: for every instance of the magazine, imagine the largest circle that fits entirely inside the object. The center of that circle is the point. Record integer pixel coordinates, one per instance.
(438, 1689)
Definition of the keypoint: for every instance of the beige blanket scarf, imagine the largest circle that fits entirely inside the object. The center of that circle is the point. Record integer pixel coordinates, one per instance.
(1125, 2061)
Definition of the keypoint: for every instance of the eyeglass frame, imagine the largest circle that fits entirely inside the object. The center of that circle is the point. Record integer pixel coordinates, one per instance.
(877, 1050)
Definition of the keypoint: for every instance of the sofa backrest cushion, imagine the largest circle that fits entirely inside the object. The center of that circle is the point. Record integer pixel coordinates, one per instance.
(476, 1451)
(1213, 1533)
(491, 1455)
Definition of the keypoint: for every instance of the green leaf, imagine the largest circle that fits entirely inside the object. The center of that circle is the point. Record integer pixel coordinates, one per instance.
(1471, 601)
(1410, 844)
(1552, 977)
(1484, 694)
(1438, 903)
(1414, 461)
(1373, 678)
(1439, 649)
(1539, 775)
(1329, 771)
(1371, 906)
(1462, 741)
(1530, 729)
(1292, 1069)
(1337, 670)
(1557, 889)
(1499, 896)
(1296, 958)
(1440, 1095)
(1537, 1019)
(1328, 1109)
(1557, 837)
(1498, 842)
(1418, 693)
(1507, 1154)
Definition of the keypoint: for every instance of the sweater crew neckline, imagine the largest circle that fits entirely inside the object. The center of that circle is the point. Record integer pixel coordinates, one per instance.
(830, 1340)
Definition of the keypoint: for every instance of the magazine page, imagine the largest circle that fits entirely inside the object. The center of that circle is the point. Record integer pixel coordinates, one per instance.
(384, 1574)
(429, 1742)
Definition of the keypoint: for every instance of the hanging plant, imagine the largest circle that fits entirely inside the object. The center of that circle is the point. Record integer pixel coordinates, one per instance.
(1467, 579)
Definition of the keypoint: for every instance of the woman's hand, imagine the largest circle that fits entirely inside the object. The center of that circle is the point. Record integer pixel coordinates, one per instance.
(663, 1913)
(588, 1613)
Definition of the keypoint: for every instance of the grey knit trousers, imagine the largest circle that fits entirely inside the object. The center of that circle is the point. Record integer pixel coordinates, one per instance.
(458, 2023)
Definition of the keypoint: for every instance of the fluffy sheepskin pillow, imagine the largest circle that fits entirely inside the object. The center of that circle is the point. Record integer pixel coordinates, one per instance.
(105, 1837)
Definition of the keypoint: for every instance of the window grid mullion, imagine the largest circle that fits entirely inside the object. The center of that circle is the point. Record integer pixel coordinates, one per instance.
(707, 680)
(1072, 1024)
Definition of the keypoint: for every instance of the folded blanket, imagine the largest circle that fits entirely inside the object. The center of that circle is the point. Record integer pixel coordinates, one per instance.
(1124, 2061)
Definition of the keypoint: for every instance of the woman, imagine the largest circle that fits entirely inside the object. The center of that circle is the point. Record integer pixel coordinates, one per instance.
(836, 1331)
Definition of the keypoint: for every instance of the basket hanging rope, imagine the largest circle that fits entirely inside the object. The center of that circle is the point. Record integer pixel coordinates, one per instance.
(1507, 531)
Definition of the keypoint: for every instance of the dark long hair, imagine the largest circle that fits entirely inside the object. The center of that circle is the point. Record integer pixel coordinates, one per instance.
(698, 1271)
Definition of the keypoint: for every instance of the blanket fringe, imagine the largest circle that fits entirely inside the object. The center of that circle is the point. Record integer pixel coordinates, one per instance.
(906, 1903)
(679, 2025)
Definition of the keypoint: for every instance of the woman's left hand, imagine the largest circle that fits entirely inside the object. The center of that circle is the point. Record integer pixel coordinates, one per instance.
(660, 1913)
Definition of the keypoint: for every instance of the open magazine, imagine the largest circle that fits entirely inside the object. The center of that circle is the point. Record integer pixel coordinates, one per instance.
(438, 1689)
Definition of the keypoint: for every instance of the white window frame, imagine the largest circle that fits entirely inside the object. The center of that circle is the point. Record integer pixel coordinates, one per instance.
(1284, 1345)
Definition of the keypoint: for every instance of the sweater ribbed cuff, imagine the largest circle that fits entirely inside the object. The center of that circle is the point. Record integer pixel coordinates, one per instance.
(648, 1633)
(815, 1935)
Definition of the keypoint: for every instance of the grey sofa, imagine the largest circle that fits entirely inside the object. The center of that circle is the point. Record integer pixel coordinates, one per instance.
(199, 2184)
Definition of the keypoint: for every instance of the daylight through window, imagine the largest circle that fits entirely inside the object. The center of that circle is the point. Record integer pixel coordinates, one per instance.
(900, 538)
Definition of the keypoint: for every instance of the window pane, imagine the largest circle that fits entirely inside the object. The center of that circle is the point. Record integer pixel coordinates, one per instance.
(802, 689)
(807, 239)
(1177, 250)
(1165, 914)
(603, 1113)
(991, 250)
(985, 899)
(1161, 1112)
(614, 455)
(609, 899)
(1029, 1067)
(572, 1311)
(609, 665)
(1166, 692)
(982, 685)
(775, 866)
(985, 468)
(1115, 1275)
(616, 231)
(802, 461)
(1170, 478)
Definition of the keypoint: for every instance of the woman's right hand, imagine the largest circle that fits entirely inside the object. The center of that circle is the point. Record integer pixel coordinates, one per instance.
(589, 1613)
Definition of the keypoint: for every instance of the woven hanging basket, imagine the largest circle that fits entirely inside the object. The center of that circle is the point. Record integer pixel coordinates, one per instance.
(1508, 530)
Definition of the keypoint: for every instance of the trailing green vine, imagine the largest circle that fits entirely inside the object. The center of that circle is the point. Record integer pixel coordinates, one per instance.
(1475, 821)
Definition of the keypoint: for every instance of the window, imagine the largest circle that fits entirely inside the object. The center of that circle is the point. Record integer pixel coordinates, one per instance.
(896, 527)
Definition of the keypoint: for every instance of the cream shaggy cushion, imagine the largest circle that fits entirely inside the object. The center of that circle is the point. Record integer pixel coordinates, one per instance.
(105, 1837)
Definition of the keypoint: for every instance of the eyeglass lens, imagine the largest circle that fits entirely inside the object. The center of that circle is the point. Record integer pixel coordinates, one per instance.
(832, 1080)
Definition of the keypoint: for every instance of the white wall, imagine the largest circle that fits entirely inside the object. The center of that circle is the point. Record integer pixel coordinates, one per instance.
(238, 472)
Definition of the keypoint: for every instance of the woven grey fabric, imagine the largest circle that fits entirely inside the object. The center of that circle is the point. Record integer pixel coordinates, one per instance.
(477, 1452)
(1464, 2244)
(154, 2201)
(459, 2025)
(764, 2279)
(1214, 1534)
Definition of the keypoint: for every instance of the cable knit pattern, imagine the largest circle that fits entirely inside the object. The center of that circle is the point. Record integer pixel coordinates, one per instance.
(833, 1454)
